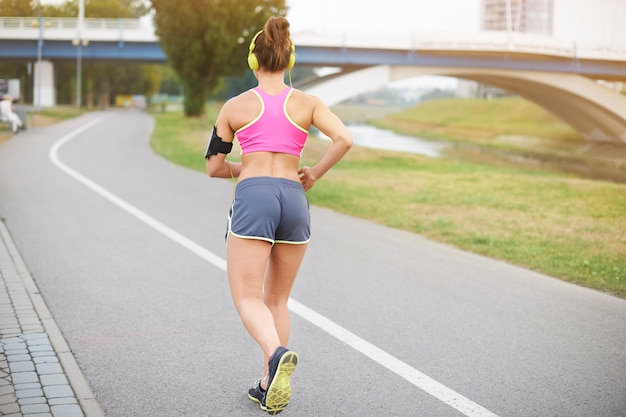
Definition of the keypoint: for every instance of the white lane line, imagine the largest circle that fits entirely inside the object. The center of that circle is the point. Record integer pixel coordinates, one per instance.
(393, 364)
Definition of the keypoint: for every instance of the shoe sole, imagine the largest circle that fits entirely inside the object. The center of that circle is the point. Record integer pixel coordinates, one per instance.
(279, 393)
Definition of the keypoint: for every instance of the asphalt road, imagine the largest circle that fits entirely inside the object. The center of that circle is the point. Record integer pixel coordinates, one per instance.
(127, 250)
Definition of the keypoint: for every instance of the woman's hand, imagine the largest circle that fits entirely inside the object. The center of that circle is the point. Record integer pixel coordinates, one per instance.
(307, 177)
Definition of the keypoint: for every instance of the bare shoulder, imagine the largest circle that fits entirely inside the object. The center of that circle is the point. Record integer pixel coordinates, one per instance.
(240, 110)
(240, 100)
(305, 100)
(301, 95)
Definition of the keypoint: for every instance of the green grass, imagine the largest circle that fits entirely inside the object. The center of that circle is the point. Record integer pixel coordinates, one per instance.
(59, 113)
(183, 140)
(567, 227)
(485, 122)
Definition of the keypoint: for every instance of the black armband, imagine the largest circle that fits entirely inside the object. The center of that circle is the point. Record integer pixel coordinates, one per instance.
(217, 145)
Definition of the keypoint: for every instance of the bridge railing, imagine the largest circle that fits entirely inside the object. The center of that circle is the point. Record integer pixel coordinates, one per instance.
(63, 28)
(140, 30)
(475, 42)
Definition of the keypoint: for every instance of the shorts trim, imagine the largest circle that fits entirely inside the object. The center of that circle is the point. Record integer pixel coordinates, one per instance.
(273, 242)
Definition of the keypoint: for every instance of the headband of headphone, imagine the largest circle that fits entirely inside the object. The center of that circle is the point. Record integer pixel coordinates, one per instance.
(253, 61)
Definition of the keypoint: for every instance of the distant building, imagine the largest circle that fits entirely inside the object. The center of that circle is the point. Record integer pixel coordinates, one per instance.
(528, 16)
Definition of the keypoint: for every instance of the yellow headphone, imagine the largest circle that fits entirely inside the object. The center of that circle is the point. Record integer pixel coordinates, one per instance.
(253, 61)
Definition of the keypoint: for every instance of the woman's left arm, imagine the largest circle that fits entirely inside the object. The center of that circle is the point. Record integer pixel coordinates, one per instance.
(216, 165)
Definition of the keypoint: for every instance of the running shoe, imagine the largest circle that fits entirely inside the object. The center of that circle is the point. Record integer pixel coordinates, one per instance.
(257, 394)
(281, 365)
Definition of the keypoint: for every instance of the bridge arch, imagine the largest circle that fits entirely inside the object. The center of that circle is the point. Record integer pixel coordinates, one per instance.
(598, 113)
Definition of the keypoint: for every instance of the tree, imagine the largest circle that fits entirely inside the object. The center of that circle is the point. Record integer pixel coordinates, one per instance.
(18, 8)
(204, 40)
(110, 9)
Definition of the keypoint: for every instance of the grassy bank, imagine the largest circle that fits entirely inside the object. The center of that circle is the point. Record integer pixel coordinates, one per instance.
(486, 122)
(566, 227)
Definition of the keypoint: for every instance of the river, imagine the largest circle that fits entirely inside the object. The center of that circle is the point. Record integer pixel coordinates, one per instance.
(589, 165)
(373, 137)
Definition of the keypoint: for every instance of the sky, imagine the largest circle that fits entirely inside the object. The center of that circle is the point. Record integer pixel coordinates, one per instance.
(593, 21)
(590, 22)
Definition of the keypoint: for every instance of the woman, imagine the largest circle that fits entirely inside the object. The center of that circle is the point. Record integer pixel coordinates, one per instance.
(269, 224)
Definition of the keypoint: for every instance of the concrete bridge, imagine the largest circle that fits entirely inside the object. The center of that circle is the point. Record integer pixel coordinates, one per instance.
(557, 74)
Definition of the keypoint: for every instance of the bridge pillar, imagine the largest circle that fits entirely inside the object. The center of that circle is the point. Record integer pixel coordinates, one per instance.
(44, 94)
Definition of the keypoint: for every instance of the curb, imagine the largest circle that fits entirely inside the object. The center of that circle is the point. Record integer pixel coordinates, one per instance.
(34, 301)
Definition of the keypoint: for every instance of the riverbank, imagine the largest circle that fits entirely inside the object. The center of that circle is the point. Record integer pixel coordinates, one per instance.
(509, 131)
(568, 227)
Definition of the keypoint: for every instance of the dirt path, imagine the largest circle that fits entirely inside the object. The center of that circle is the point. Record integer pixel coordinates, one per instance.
(34, 120)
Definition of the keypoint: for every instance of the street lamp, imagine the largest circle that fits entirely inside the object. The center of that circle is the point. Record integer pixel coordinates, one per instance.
(79, 43)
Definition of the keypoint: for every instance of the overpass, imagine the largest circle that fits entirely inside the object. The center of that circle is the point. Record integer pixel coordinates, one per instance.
(557, 74)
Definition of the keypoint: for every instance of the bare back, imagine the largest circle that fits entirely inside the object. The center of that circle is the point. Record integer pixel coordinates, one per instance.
(243, 109)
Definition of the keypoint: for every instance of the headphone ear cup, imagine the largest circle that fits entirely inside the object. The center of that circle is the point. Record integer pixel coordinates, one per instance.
(292, 61)
(292, 57)
(253, 62)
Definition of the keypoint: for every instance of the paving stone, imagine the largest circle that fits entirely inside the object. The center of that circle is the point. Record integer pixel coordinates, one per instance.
(32, 385)
(29, 393)
(45, 359)
(62, 401)
(24, 377)
(33, 400)
(41, 348)
(8, 398)
(19, 358)
(57, 391)
(6, 389)
(11, 340)
(49, 368)
(21, 367)
(66, 411)
(35, 336)
(54, 379)
(16, 352)
(35, 408)
(39, 354)
(9, 409)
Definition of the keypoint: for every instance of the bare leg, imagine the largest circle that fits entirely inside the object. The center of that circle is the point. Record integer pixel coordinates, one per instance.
(247, 261)
(284, 263)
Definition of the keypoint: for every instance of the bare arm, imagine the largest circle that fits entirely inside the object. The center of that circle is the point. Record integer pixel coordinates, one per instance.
(329, 124)
(216, 165)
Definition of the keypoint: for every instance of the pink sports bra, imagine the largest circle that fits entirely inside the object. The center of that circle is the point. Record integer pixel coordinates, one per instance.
(272, 130)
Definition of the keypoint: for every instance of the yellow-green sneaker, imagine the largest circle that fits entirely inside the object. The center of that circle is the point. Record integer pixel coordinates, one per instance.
(281, 365)
(257, 394)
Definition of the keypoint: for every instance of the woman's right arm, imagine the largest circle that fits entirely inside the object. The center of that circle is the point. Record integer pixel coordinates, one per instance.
(329, 124)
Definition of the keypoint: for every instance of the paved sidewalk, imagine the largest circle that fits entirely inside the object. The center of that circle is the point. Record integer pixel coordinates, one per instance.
(38, 373)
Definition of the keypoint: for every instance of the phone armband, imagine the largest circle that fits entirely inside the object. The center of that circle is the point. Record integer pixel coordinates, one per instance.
(217, 145)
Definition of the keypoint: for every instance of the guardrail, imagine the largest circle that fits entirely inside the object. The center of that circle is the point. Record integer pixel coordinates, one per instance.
(482, 41)
(64, 28)
(139, 30)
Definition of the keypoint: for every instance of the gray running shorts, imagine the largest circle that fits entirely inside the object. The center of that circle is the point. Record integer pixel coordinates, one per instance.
(271, 209)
